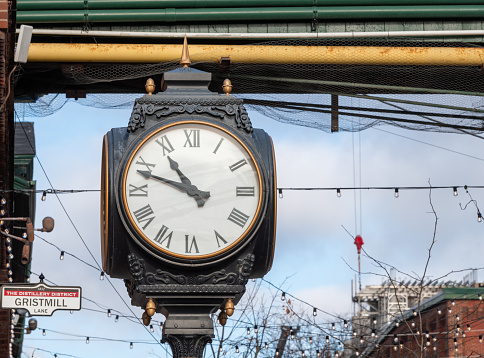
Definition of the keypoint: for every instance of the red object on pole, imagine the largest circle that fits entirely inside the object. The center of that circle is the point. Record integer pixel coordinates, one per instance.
(359, 243)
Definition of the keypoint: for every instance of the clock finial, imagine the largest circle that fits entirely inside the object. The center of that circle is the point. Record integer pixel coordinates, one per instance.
(150, 86)
(185, 57)
(227, 86)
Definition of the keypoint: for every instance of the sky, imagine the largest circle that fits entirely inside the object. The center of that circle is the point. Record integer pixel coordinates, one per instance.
(315, 258)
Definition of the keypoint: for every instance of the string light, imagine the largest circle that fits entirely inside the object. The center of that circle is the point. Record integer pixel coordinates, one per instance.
(43, 332)
(280, 194)
(109, 313)
(236, 349)
(2, 200)
(318, 353)
(415, 313)
(345, 323)
(455, 342)
(267, 346)
(373, 333)
(255, 329)
(130, 345)
(455, 191)
(396, 193)
(374, 320)
(277, 351)
(362, 340)
(434, 338)
(101, 277)
(116, 318)
(283, 296)
(292, 334)
(333, 326)
(439, 311)
(453, 303)
(220, 349)
(395, 347)
(395, 338)
(397, 324)
(248, 330)
(151, 328)
(44, 195)
(327, 339)
(315, 312)
(61, 255)
(480, 297)
(338, 193)
(87, 340)
(450, 310)
(479, 216)
(480, 338)
(401, 345)
(310, 340)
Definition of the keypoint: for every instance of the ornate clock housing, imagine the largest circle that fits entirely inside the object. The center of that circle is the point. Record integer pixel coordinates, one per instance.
(191, 189)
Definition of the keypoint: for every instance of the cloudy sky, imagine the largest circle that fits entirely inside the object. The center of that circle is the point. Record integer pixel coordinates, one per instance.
(315, 256)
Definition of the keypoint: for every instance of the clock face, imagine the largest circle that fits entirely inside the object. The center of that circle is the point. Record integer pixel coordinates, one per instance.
(192, 190)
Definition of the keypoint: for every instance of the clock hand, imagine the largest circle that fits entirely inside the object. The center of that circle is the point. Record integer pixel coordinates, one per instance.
(185, 180)
(191, 190)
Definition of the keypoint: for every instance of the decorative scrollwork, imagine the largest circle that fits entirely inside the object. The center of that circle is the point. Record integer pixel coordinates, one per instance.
(187, 346)
(137, 268)
(164, 277)
(216, 277)
(224, 109)
(244, 268)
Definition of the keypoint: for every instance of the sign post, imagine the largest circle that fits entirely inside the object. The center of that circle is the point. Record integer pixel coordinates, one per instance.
(40, 299)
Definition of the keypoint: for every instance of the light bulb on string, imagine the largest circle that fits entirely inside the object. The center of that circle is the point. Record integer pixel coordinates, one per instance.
(362, 340)
(345, 322)
(395, 338)
(397, 324)
(310, 340)
(151, 328)
(280, 194)
(24, 235)
(479, 216)
(434, 338)
(303, 354)
(415, 313)
(453, 303)
(458, 328)
(427, 334)
(87, 340)
(71, 311)
(44, 195)
(401, 345)
(333, 326)
(116, 318)
(439, 311)
(277, 351)
(469, 327)
(2, 212)
(283, 296)
(2, 200)
(450, 310)
(267, 346)
(256, 329)
(327, 339)
(318, 353)
(43, 332)
(373, 332)
(396, 193)
(480, 338)
(374, 320)
(315, 312)
(357, 353)
(455, 342)
(455, 191)
(479, 297)
(130, 345)
(435, 348)
(354, 333)
(61, 255)
(236, 349)
(109, 313)
(338, 193)
(248, 330)
(101, 277)
(221, 349)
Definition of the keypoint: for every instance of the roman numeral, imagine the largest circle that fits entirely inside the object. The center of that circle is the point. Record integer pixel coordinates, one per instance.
(142, 215)
(138, 191)
(193, 138)
(165, 144)
(218, 237)
(237, 165)
(147, 165)
(238, 217)
(188, 248)
(218, 145)
(160, 237)
(245, 191)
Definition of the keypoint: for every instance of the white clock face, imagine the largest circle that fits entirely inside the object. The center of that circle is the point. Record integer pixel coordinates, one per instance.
(192, 190)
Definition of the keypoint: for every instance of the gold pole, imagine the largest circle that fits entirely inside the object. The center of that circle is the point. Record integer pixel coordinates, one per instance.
(356, 55)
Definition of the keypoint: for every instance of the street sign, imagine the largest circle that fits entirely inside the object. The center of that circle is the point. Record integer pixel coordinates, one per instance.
(40, 299)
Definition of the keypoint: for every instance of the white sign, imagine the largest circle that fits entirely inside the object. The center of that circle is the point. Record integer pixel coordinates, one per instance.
(40, 299)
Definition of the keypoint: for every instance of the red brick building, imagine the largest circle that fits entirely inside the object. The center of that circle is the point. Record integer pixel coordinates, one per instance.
(450, 324)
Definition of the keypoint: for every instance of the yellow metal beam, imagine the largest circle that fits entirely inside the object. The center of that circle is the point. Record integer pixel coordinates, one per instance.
(350, 55)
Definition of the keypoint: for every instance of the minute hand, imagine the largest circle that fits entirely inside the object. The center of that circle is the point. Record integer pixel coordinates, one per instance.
(191, 190)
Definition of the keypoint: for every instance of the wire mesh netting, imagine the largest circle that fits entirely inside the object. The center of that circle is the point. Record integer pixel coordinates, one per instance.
(315, 90)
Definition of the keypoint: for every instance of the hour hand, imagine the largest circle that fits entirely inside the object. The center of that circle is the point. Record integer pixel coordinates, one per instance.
(174, 166)
(199, 196)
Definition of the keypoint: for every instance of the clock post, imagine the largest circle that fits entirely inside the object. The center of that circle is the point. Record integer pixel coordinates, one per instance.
(188, 206)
